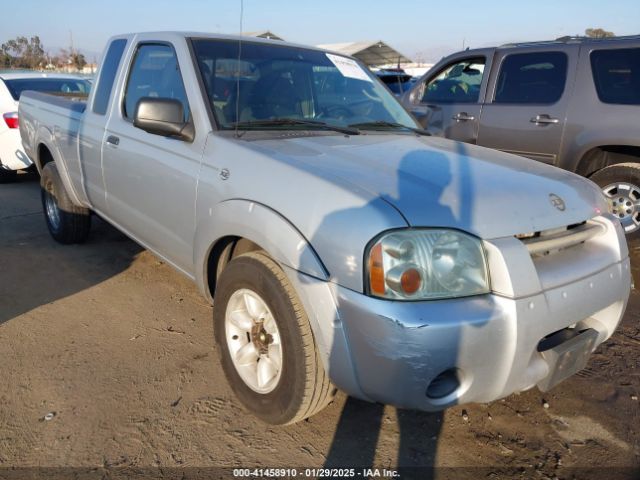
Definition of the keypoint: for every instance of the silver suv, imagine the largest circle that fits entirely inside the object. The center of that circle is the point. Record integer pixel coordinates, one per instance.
(573, 103)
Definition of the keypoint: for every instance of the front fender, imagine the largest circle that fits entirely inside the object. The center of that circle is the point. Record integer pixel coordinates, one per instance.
(285, 244)
(261, 225)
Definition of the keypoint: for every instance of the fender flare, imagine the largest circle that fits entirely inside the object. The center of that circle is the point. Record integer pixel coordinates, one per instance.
(260, 224)
(593, 140)
(45, 137)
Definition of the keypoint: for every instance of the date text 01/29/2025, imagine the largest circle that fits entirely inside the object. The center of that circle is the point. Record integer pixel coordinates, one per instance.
(314, 473)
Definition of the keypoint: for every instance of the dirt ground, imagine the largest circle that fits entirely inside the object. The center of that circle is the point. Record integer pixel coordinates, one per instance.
(117, 348)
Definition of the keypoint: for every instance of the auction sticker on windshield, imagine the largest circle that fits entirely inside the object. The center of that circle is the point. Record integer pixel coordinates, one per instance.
(348, 67)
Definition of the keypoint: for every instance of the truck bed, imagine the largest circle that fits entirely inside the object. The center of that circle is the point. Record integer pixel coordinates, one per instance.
(59, 116)
(70, 101)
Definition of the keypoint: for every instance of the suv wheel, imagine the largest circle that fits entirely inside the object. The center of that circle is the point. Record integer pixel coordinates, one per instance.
(268, 352)
(621, 185)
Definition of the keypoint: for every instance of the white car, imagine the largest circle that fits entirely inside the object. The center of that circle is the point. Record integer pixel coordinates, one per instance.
(12, 156)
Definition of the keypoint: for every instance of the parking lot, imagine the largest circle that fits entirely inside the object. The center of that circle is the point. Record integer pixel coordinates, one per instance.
(108, 361)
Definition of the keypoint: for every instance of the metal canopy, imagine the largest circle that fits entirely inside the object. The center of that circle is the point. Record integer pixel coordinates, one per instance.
(370, 53)
(263, 34)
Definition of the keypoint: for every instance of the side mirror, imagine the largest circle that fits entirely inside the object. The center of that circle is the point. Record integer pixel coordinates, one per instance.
(163, 116)
(422, 117)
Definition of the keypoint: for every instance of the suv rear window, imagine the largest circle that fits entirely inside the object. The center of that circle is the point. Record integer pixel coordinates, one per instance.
(616, 73)
(528, 78)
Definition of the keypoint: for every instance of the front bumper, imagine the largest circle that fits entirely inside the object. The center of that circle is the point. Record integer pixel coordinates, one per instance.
(399, 348)
(392, 351)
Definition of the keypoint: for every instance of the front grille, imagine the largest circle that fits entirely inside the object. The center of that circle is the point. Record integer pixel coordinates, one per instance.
(547, 242)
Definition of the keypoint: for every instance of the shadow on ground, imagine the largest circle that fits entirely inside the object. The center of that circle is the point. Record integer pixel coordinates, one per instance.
(47, 271)
(359, 430)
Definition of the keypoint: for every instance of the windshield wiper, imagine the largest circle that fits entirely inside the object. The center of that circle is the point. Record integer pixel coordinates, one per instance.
(382, 124)
(284, 122)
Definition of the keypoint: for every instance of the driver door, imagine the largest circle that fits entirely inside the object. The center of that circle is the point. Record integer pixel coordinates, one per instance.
(448, 102)
(151, 180)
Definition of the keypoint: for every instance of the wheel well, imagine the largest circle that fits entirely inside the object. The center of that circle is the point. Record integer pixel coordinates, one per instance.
(603, 156)
(44, 155)
(224, 250)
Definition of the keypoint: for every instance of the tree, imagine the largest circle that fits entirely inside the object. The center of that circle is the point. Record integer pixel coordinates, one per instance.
(23, 53)
(598, 33)
(69, 58)
(5, 58)
(78, 60)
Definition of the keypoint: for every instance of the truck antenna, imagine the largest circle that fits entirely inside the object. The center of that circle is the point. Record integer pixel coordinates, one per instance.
(238, 68)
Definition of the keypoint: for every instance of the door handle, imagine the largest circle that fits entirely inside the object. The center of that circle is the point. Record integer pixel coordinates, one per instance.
(544, 120)
(463, 117)
(113, 140)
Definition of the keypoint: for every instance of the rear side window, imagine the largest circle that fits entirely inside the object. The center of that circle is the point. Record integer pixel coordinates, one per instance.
(108, 76)
(154, 73)
(616, 73)
(532, 78)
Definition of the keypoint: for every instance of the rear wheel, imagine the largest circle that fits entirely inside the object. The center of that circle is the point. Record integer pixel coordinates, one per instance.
(621, 185)
(268, 352)
(66, 222)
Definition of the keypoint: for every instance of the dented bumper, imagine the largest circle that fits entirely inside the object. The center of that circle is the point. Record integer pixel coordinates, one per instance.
(490, 342)
(539, 330)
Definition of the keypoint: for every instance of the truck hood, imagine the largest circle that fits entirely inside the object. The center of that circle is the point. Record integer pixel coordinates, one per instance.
(435, 182)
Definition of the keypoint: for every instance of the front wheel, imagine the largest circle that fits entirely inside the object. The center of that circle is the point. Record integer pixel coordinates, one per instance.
(66, 222)
(268, 351)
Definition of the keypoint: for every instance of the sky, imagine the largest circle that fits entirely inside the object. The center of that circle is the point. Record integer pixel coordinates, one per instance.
(423, 30)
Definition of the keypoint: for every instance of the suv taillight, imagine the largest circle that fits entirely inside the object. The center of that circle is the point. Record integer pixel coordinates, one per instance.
(11, 119)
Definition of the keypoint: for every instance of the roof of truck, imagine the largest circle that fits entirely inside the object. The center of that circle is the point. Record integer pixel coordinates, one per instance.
(219, 36)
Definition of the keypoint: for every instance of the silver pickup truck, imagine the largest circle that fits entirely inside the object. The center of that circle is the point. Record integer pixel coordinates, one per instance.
(341, 247)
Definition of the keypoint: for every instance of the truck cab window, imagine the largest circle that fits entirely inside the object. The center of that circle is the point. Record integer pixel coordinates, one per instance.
(457, 83)
(532, 78)
(108, 75)
(154, 73)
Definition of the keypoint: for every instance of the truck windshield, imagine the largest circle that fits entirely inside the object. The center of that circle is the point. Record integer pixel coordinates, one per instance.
(267, 84)
(49, 85)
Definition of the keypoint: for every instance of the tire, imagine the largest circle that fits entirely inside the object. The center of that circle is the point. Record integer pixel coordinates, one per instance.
(301, 387)
(66, 222)
(8, 176)
(621, 184)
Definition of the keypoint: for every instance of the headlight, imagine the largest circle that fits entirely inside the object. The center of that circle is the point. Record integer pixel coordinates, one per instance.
(425, 264)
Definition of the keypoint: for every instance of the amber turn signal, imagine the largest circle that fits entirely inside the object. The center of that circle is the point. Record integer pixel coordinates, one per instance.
(376, 271)
(411, 281)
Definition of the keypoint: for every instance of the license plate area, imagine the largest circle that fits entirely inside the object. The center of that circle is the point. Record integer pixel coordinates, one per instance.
(566, 353)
